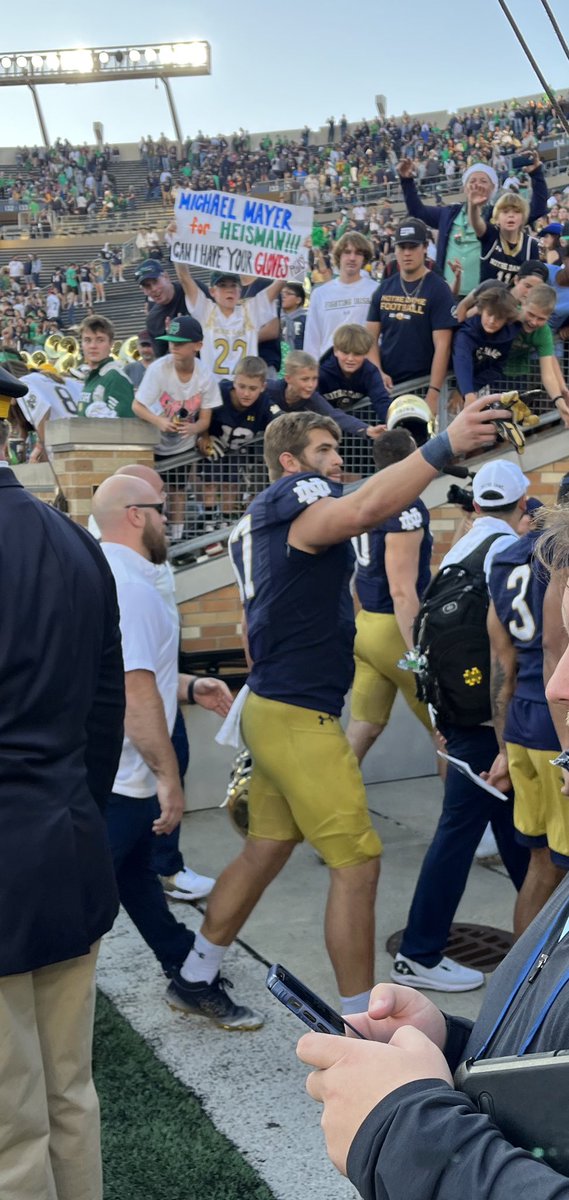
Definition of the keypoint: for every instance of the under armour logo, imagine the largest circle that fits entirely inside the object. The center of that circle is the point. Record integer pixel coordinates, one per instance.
(323, 719)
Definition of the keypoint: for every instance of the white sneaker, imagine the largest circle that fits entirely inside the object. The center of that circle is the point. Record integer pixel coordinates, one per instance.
(447, 976)
(487, 846)
(186, 885)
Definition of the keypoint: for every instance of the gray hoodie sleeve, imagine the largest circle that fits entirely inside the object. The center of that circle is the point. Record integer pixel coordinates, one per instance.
(428, 1142)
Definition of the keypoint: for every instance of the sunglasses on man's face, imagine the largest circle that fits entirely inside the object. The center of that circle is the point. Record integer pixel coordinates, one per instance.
(159, 508)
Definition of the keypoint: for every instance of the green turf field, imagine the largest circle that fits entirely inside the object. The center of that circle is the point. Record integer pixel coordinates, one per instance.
(158, 1144)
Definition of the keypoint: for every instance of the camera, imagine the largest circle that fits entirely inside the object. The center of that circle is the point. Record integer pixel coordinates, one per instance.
(461, 496)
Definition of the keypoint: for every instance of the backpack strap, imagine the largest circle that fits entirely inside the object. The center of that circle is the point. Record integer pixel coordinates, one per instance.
(474, 562)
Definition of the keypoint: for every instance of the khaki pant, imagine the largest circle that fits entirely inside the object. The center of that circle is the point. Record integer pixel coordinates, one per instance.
(49, 1111)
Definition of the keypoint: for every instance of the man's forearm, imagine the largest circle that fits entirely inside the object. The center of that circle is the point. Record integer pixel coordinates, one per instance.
(405, 609)
(146, 728)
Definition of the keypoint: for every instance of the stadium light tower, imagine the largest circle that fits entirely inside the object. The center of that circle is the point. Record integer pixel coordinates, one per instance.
(102, 64)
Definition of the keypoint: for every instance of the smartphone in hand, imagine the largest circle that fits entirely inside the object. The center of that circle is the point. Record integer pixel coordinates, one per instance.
(305, 1004)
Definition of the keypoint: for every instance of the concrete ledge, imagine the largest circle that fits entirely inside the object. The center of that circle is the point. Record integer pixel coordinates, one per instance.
(192, 582)
(71, 433)
(36, 477)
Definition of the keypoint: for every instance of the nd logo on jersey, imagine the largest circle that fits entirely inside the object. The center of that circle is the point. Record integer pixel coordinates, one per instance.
(309, 490)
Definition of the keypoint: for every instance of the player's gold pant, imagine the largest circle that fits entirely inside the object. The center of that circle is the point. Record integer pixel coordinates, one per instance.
(541, 812)
(378, 648)
(306, 782)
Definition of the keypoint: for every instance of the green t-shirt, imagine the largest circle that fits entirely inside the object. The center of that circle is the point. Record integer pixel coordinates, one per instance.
(107, 392)
(464, 245)
(539, 341)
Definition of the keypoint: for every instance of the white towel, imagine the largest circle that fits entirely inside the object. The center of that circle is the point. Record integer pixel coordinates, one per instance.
(230, 732)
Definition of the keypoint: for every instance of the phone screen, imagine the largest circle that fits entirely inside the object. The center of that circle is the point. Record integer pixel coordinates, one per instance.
(306, 1004)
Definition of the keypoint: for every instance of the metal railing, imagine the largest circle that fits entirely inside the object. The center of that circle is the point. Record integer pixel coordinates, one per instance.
(206, 498)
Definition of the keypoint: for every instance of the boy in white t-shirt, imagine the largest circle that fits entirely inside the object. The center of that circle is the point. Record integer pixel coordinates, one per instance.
(177, 394)
(230, 326)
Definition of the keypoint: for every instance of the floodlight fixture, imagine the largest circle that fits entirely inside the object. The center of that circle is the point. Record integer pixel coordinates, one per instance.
(98, 64)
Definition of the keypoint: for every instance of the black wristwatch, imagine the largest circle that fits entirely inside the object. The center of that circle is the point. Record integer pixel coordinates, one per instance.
(191, 686)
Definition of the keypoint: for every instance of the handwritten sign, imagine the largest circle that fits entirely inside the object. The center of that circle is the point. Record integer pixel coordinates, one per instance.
(242, 235)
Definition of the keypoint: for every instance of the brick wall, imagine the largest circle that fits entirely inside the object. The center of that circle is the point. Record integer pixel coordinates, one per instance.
(80, 475)
(212, 621)
(544, 482)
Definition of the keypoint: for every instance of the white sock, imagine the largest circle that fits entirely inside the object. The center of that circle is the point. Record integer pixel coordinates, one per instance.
(354, 1004)
(203, 962)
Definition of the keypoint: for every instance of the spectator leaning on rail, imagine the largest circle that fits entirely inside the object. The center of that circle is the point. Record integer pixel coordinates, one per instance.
(297, 392)
(412, 310)
(457, 239)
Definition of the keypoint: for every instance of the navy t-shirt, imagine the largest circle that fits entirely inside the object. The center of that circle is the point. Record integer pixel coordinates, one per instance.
(372, 585)
(298, 607)
(342, 391)
(517, 586)
(235, 428)
(408, 322)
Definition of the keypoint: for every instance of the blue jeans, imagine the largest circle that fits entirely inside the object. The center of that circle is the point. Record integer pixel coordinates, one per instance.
(166, 857)
(467, 809)
(129, 826)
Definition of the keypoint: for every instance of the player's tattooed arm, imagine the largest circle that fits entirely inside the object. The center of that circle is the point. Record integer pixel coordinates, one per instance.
(502, 673)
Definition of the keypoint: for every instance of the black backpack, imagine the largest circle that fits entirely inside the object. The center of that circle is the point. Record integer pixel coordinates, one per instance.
(450, 633)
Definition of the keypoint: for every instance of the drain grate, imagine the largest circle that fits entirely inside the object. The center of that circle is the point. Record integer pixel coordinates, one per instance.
(479, 946)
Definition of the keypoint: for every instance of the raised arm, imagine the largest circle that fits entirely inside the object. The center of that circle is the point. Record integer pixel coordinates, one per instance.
(191, 290)
(329, 521)
(429, 213)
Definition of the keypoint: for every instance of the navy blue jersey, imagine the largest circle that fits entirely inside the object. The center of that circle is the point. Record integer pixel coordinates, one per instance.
(409, 313)
(479, 357)
(371, 580)
(344, 390)
(496, 262)
(517, 587)
(235, 427)
(298, 607)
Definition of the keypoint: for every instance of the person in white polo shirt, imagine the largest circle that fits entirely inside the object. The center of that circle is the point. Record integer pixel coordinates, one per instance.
(147, 799)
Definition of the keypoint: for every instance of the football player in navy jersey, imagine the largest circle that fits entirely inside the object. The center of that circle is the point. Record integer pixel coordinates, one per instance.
(245, 412)
(393, 570)
(522, 722)
(293, 559)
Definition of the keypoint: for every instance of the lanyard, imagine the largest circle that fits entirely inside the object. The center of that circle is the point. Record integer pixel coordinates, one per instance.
(528, 972)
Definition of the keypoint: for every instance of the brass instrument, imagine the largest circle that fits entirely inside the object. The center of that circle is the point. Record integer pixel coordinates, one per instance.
(52, 346)
(129, 351)
(34, 360)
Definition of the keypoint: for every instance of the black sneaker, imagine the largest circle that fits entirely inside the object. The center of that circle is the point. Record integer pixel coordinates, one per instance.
(211, 1000)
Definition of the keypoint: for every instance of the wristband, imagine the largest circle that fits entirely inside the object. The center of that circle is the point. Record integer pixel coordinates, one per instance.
(559, 397)
(433, 388)
(438, 451)
(191, 686)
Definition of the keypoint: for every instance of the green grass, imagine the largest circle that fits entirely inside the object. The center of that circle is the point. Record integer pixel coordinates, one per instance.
(158, 1144)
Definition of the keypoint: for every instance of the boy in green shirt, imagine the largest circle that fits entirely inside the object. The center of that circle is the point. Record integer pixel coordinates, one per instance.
(107, 391)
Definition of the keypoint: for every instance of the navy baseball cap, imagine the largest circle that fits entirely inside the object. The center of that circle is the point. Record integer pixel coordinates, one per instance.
(149, 269)
(555, 227)
(411, 231)
(183, 329)
(223, 277)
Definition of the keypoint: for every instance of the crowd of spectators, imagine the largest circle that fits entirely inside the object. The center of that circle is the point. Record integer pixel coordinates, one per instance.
(65, 180)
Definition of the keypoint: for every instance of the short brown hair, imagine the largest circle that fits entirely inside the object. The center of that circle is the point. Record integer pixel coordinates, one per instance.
(97, 324)
(252, 366)
(499, 303)
(392, 447)
(358, 241)
(353, 339)
(290, 434)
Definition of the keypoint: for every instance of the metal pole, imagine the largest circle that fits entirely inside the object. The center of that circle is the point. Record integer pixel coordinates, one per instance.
(549, 92)
(553, 20)
(40, 116)
(173, 113)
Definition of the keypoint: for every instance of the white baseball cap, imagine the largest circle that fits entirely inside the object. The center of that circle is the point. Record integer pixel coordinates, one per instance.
(504, 480)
